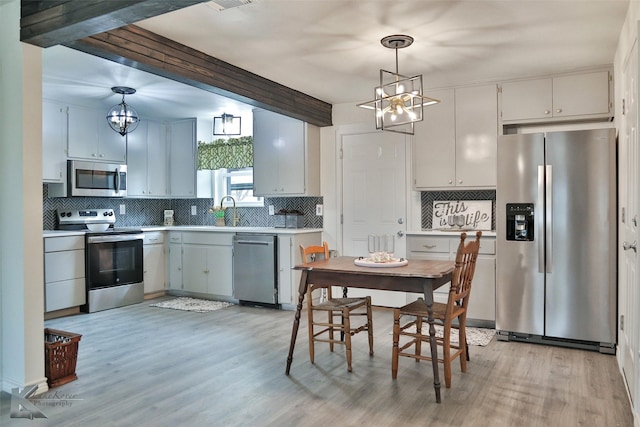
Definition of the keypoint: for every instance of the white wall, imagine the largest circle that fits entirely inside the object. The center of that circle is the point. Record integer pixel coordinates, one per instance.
(21, 269)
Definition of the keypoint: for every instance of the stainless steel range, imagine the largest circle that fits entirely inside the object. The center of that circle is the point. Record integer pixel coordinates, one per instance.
(113, 258)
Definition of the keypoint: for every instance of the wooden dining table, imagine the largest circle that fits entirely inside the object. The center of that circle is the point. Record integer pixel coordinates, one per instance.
(420, 276)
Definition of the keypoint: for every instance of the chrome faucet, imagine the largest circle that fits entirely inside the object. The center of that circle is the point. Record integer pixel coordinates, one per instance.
(236, 218)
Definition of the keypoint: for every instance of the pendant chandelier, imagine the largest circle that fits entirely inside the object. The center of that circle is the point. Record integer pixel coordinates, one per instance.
(399, 100)
(122, 118)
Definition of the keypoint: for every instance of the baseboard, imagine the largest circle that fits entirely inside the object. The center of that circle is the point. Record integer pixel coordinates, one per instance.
(9, 384)
(153, 295)
(62, 313)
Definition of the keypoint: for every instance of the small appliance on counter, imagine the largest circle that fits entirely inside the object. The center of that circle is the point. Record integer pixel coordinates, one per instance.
(168, 217)
(289, 219)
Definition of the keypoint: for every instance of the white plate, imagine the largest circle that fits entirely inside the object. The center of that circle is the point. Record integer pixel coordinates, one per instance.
(97, 227)
(367, 262)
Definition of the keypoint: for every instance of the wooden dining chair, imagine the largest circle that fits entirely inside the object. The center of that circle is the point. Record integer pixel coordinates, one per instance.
(443, 314)
(339, 312)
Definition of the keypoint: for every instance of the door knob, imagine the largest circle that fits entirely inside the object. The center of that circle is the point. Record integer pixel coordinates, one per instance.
(400, 221)
(400, 233)
(626, 246)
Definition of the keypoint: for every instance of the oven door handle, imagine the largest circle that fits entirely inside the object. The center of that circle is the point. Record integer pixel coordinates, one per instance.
(114, 238)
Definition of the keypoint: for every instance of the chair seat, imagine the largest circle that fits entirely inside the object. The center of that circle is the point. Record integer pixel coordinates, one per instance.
(419, 308)
(340, 303)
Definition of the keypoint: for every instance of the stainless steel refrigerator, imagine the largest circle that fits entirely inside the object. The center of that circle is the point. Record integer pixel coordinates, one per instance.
(556, 278)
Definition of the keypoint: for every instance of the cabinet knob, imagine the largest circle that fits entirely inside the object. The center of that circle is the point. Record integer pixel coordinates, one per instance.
(93, 154)
(460, 181)
(101, 155)
(179, 268)
(450, 181)
(547, 112)
(559, 110)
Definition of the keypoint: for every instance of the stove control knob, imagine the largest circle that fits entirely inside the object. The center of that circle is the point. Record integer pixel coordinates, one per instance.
(110, 213)
(69, 214)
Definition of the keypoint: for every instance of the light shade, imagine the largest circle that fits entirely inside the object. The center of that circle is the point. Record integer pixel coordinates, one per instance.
(227, 124)
(121, 117)
(399, 99)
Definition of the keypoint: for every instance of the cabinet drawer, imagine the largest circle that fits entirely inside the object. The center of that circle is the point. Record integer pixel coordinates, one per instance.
(153, 238)
(427, 244)
(175, 237)
(67, 243)
(64, 294)
(206, 238)
(64, 265)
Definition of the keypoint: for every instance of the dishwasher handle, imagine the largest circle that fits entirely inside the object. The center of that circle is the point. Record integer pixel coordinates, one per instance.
(253, 242)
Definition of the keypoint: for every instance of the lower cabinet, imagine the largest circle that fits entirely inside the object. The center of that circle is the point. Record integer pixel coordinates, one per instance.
(288, 257)
(154, 262)
(174, 267)
(64, 279)
(204, 265)
(482, 306)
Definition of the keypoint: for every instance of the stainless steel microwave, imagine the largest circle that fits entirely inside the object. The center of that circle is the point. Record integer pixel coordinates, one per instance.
(96, 179)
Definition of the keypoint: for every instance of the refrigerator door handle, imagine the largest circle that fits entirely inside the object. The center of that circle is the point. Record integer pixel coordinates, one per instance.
(539, 221)
(549, 218)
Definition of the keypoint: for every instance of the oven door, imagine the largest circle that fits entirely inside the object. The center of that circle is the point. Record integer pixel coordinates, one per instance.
(113, 260)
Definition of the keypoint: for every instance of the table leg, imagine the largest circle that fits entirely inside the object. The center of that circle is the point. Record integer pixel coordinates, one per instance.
(428, 298)
(302, 290)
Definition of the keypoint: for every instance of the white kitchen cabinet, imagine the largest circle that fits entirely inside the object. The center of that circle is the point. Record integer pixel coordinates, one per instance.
(558, 98)
(455, 146)
(207, 263)
(154, 262)
(64, 277)
(482, 303)
(288, 257)
(174, 268)
(54, 142)
(286, 155)
(181, 139)
(91, 138)
(147, 160)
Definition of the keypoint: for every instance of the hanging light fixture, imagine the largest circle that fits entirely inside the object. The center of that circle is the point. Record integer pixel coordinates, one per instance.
(227, 124)
(122, 118)
(399, 100)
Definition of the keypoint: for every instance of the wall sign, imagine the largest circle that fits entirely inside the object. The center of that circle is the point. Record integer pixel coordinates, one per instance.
(462, 215)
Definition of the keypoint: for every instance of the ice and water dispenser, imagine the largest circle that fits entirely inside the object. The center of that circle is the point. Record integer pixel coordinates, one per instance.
(520, 221)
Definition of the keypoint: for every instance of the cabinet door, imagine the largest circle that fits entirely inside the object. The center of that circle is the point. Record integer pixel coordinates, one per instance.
(182, 149)
(265, 153)
(482, 303)
(112, 146)
(154, 268)
(83, 133)
(529, 99)
(194, 269)
(137, 161)
(582, 94)
(156, 160)
(434, 144)
(54, 141)
(290, 152)
(476, 136)
(175, 266)
(220, 265)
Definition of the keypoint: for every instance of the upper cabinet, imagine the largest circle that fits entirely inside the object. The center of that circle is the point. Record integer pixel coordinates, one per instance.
(566, 97)
(286, 156)
(181, 139)
(455, 145)
(54, 142)
(91, 138)
(147, 160)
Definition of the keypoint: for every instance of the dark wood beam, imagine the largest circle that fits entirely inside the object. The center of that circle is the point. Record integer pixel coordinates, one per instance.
(147, 51)
(47, 23)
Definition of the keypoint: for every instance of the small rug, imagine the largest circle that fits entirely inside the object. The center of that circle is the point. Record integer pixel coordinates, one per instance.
(475, 336)
(192, 304)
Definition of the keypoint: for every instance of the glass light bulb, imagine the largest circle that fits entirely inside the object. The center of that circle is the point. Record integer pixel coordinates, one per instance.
(393, 117)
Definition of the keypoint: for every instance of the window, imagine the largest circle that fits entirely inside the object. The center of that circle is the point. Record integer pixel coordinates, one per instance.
(238, 183)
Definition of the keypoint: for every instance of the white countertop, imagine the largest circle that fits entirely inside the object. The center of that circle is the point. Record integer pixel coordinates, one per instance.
(204, 228)
(426, 232)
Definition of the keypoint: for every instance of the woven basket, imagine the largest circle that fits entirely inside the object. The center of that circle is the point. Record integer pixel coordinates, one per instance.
(60, 354)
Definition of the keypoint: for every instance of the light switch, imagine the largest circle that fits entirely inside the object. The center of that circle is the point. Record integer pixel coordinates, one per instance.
(319, 210)
(272, 210)
(194, 210)
(123, 209)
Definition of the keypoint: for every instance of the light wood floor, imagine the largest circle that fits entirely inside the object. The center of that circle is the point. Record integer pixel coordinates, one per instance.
(144, 366)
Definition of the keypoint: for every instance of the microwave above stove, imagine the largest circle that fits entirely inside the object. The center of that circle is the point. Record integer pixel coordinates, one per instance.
(96, 179)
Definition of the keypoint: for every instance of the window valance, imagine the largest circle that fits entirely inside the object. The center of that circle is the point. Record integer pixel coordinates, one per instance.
(231, 153)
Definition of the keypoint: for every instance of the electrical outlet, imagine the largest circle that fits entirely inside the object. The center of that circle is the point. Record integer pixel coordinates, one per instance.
(194, 210)
(272, 210)
(319, 210)
(123, 209)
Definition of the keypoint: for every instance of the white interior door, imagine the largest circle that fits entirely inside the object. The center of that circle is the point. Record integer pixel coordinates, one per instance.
(628, 289)
(374, 198)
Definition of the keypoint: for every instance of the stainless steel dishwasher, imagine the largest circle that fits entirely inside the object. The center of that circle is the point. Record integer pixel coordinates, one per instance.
(255, 270)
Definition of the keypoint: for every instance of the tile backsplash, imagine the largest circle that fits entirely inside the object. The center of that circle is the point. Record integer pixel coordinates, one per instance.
(144, 212)
(428, 197)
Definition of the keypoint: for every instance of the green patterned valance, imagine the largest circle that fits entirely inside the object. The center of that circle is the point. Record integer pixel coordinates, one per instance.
(231, 153)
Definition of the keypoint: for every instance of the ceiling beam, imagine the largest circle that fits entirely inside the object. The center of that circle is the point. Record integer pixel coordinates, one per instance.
(48, 23)
(147, 51)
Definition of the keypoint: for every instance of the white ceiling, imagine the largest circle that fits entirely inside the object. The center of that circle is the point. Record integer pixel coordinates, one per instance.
(330, 49)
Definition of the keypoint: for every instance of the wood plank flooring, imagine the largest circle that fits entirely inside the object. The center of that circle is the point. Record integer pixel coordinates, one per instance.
(145, 366)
